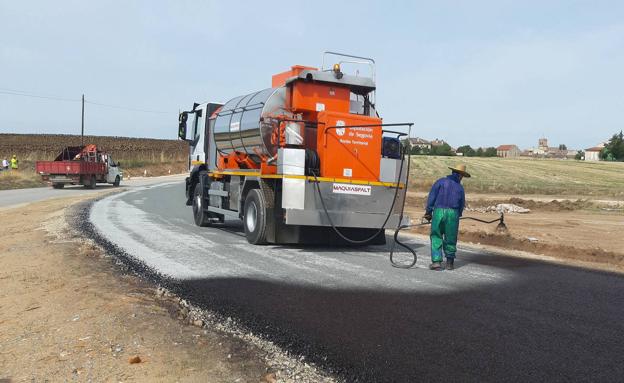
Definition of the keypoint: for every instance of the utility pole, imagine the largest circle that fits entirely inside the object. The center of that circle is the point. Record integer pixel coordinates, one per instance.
(82, 127)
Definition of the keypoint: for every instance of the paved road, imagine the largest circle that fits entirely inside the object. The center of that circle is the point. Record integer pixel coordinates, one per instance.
(494, 318)
(16, 197)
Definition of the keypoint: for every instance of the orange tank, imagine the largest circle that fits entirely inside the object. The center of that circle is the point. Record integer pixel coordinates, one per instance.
(317, 106)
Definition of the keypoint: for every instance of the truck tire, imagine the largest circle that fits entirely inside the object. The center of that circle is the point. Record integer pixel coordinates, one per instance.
(201, 217)
(254, 217)
(117, 181)
(58, 186)
(189, 189)
(91, 184)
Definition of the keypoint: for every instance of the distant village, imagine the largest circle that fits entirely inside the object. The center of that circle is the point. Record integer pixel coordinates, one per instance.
(542, 150)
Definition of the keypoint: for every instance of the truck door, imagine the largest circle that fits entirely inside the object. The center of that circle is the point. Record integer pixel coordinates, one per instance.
(113, 170)
(197, 153)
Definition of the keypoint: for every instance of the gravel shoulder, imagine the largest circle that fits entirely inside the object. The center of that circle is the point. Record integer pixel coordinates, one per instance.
(68, 313)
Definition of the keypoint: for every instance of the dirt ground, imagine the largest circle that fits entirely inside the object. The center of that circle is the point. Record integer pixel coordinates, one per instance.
(574, 229)
(67, 314)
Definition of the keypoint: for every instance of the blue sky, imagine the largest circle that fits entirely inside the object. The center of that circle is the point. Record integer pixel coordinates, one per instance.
(480, 72)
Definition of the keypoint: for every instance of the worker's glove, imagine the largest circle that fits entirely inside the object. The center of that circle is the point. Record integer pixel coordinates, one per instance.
(428, 217)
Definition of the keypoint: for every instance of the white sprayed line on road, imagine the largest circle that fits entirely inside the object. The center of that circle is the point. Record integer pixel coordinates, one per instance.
(473, 271)
(321, 266)
(484, 272)
(330, 271)
(293, 271)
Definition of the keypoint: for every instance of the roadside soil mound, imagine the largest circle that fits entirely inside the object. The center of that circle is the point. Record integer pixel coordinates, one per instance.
(507, 241)
(554, 205)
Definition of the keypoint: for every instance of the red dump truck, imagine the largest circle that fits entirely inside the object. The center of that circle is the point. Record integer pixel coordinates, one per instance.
(77, 165)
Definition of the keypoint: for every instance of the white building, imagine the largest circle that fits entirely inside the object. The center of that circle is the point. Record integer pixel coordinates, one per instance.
(593, 154)
(420, 143)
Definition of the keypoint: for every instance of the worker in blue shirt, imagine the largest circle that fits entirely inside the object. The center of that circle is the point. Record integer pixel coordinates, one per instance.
(444, 207)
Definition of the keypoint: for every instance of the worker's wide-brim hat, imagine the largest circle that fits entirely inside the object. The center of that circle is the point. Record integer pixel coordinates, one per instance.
(461, 169)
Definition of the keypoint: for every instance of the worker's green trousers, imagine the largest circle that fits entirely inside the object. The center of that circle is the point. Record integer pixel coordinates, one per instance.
(444, 227)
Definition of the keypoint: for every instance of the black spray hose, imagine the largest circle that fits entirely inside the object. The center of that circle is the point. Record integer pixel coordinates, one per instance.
(399, 226)
(500, 227)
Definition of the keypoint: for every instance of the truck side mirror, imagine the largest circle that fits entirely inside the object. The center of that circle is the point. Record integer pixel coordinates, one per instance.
(182, 125)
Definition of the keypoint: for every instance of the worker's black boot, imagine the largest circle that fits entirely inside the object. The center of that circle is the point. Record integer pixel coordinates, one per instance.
(435, 266)
(449, 263)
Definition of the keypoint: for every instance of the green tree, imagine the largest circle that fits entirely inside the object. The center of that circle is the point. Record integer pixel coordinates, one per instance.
(405, 143)
(563, 147)
(442, 150)
(467, 151)
(614, 150)
(489, 152)
(479, 152)
(579, 155)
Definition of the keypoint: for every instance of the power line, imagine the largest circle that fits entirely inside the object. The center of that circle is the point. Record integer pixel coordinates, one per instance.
(23, 94)
(14, 92)
(126, 108)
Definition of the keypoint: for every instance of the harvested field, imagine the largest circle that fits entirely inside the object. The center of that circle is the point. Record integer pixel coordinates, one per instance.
(525, 176)
(138, 151)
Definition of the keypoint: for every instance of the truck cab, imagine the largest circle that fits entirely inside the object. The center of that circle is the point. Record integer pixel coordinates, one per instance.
(200, 149)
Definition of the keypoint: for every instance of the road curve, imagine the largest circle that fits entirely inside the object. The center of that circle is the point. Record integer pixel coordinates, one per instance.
(17, 197)
(494, 318)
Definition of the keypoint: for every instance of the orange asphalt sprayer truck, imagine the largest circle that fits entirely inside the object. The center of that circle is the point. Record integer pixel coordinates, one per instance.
(308, 160)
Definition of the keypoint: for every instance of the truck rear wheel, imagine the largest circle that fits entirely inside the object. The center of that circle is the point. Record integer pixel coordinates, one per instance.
(254, 217)
(91, 183)
(201, 217)
(58, 186)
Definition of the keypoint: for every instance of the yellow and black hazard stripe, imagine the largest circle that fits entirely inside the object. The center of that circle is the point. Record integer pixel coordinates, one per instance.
(308, 178)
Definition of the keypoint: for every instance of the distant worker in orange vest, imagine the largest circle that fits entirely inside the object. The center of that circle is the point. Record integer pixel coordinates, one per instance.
(14, 163)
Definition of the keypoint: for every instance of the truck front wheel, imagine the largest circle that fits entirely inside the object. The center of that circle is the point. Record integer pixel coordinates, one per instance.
(58, 186)
(254, 217)
(117, 181)
(189, 188)
(200, 215)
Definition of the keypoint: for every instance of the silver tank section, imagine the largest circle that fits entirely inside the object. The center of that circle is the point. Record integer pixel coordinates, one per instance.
(244, 124)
